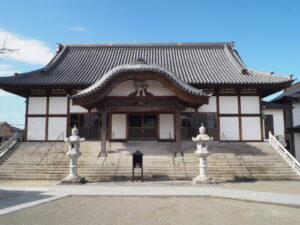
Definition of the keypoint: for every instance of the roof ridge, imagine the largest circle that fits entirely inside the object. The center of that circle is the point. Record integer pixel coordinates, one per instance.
(270, 73)
(148, 44)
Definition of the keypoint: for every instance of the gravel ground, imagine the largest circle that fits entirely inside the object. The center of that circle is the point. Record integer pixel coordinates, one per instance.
(85, 210)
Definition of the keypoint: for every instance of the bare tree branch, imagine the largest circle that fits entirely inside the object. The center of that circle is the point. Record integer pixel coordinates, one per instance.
(4, 46)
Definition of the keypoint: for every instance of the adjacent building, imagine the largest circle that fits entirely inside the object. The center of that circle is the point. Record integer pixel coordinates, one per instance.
(291, 98)
(7, 131)
(145, 91)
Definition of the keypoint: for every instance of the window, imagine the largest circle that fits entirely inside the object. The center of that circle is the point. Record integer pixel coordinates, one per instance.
(142, 127)
(88, 124)
(190, 123)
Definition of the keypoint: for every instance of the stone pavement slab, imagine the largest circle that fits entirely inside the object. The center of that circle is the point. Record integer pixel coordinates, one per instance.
(152, 210)
(31, 196)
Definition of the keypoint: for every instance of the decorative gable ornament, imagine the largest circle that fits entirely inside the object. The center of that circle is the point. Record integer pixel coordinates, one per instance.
(140, 87)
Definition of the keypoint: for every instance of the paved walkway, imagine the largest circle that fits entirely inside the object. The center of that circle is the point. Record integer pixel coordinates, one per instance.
(14, 198)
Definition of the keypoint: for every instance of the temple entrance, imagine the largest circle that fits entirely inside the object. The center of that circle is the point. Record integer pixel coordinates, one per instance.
(142, 127)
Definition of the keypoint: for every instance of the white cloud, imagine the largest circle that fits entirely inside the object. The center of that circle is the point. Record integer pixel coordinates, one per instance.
(5, 93)
(79, 29)
(7, 70)
(29, 51)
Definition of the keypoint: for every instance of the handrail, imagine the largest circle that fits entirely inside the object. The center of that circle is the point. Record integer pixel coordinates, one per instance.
(108, 148)
(285, 154)
(224, 136)
(7, 146)
(240, 160)
(62, 134)
(173, 152)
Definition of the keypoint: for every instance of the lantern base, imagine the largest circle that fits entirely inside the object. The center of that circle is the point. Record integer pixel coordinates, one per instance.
(71, 179)
(203, 180)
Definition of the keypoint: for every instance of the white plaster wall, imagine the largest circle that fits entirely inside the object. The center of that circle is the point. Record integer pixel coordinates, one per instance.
(228, 104)
(57, 125)
(118, 126)
(77, 108)
(37, 105)
(58, 105)
(251, 129)
(278, 120)
(250, 105)
(297, 146)
(36, 128)
(211, 106)
(166, 126)
(296, 113)
(155, 87)
(230, 127)
(123, 89)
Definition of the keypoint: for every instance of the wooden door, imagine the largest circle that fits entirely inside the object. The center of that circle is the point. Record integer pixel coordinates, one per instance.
(269, 125)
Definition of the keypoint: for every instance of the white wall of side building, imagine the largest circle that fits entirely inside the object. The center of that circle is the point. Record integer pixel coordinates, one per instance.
(37, 105)
(118, 126)
(36, 128)
(278, 120)
(127, 87)
(296, 113)
(58, 105)
(57, 126)
(297, 145)
(296, 122)
(228, 104)
(166, 126)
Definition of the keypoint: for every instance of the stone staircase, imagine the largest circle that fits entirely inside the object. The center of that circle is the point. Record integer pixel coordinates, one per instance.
(228, 161)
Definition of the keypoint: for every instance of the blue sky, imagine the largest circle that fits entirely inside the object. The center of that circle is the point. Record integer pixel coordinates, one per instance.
(266, 32)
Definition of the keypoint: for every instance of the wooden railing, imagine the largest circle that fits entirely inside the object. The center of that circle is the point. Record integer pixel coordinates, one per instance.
(286, 155)
(7, 146)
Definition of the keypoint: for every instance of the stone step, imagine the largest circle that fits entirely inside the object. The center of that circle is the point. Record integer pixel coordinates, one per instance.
(47, 160)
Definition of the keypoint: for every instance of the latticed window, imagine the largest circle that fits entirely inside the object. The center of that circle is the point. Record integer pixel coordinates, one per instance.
(191, 121)
(89, 124)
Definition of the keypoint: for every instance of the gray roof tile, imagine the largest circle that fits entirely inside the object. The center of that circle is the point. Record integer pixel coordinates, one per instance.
(194, 63)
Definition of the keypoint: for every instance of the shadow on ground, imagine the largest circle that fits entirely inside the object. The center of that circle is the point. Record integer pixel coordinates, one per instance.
(14, 198)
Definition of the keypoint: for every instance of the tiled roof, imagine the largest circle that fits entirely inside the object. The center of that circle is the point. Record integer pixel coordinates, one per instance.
(193, 63)
(140, 68)
(292, 92)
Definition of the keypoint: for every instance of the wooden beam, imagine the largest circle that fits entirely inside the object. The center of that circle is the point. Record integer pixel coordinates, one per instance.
(103, 131)
(47, 118)
(26, 119)
(240, 117)
(178, 132)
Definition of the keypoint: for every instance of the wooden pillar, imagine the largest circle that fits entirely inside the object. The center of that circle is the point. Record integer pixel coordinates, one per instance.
(178, 132)
(103, 131)
(26, 119)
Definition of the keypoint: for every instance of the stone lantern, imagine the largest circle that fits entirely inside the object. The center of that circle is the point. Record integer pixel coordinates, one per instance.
(73, 153)
(202, 153)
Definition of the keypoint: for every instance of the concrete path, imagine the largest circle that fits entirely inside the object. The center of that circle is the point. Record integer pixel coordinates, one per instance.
(14, 198)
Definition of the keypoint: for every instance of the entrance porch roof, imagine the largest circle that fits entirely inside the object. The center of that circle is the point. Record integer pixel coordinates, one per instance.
(112, 78)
